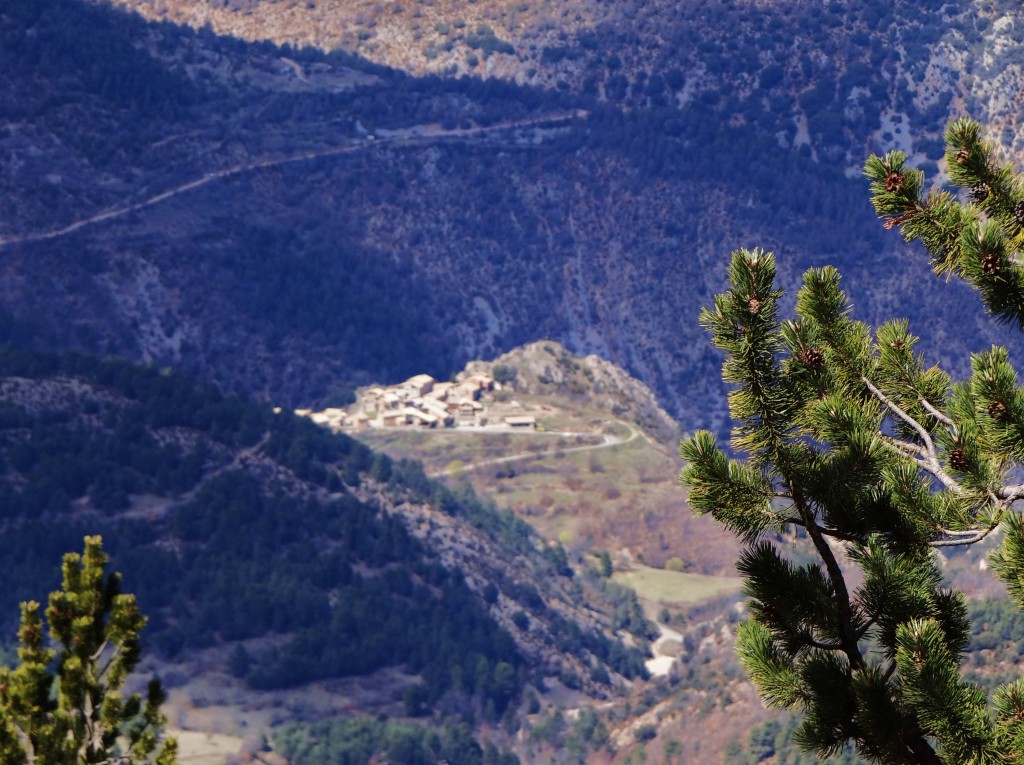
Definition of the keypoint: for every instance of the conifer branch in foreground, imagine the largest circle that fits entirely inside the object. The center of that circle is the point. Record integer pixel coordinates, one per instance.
(877, 458)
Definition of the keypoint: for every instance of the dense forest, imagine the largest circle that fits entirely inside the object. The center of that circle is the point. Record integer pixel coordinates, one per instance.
(360, 742)
(232, 522)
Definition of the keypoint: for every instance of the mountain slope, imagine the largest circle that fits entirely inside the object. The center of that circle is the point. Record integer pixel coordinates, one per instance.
(292, 224)
(833, 76)
(600, 473)
(265, 548)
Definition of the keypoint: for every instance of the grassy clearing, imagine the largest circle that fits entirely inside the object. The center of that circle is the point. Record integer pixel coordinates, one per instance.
(201, 748)
(673, 587)
(436, 448)
(624, 495)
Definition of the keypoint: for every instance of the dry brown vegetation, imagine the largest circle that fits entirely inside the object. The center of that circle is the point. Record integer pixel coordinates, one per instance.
(623, 497)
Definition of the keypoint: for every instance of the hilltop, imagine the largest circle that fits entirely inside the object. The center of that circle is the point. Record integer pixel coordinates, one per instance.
(599, 476)
(596, 475)
(590, 460)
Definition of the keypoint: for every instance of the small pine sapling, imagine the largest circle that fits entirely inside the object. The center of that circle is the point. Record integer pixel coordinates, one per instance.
(62, 704)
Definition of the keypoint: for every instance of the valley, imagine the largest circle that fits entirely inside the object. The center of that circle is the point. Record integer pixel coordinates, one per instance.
(259, 491)
(599, 474)
(366, 334)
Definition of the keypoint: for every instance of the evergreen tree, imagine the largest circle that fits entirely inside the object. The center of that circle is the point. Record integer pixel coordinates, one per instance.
(855, 445)
(62, 705)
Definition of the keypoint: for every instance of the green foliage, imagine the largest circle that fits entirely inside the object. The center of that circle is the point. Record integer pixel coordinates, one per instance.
(362, 741)
(980, 240)
(504, 373)
(627, 613)
(433, 624)
(486, 41)
(850, 438)
(605, 561)
(62, 705)
(240, 662)
(774, 742)
(550, 728)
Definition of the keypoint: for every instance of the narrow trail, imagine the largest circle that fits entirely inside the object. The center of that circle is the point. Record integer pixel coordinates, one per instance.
(608, 442)
(663, 660)
(166, 505)
(410, 135)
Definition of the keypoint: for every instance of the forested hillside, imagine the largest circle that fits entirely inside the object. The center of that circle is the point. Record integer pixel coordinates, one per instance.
(298, 555)
(288, 200)
(291, 223)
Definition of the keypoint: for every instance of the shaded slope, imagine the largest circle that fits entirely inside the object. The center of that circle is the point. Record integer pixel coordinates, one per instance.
(338, 259)
(235, 524)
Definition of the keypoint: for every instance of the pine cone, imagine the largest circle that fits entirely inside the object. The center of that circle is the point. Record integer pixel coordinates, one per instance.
(962, 156)
(812, 358)
(980, 192)
(991, 263)
(895, 182)
(958, 458)
(754, 304)
(1018, 213)
(996, 410)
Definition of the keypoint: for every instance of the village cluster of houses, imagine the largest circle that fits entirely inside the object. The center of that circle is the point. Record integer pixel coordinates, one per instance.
(421, 402)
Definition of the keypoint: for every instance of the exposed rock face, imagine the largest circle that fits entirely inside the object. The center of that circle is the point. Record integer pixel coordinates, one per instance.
(878, 67)
(278, 220)
(546, 365)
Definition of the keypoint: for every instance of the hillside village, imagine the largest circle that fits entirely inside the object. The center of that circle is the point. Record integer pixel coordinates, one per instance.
(472, 400)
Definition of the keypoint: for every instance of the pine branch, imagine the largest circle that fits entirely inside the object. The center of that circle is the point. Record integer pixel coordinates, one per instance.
(26, 741)
(809, 639)
(1011, 493)
(954, 537)
(936, 413)
(835, 574)
(974, 538)
(828, 532)
(863, 631)
(99, 652)
(901, 447)
(930, 458)
(918, 744)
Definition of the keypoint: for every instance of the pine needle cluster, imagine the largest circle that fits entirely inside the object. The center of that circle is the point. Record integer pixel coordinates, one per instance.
(854, 443)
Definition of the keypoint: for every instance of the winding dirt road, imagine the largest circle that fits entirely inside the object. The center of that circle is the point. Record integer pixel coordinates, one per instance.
(609, 441)
(411, 135)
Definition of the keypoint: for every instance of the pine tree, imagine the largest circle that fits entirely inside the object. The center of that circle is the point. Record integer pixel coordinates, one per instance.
(876, 459)
(62, 705)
